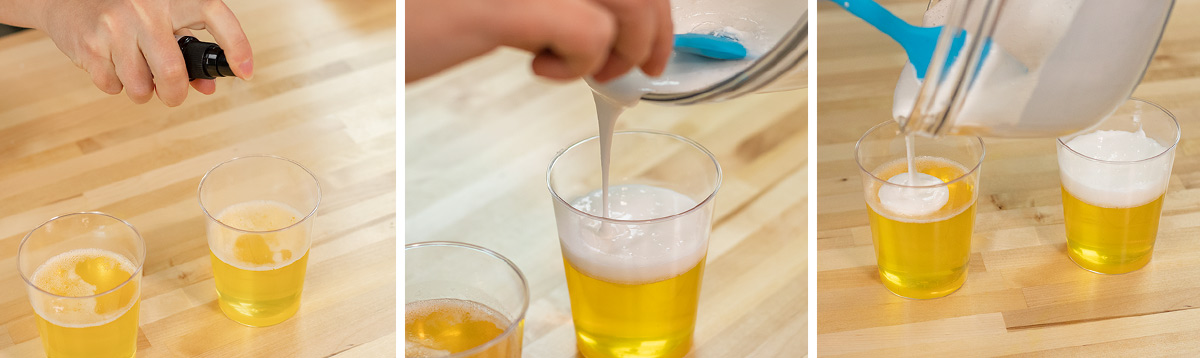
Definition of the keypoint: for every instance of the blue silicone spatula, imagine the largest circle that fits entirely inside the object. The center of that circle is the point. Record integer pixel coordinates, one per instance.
(918, 42)
(711, 46)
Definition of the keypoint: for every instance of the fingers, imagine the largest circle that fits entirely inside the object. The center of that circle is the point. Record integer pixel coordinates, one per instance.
(636, 27)
(129, 45)
(664, 40)
(616, 66)
(206, 87)
(578, 43)
(601, 38)
(104, 76)
(131, 68)
(166, 63)
(220, 21)
(96, 59)
(549, 65)
(645, 37)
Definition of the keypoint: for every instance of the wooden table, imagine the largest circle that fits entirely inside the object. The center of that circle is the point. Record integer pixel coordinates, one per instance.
(1022, 295)
(323, 94)
(478, 140)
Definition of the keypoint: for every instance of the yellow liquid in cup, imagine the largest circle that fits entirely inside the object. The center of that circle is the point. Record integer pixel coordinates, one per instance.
(1110, 240)
(102, 326)
(259, 276)
(440, 327)
(651, 319)
(924, 257)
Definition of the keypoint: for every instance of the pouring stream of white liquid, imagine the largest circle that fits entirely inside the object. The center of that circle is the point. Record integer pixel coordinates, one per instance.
(909, 154)
(612, 99)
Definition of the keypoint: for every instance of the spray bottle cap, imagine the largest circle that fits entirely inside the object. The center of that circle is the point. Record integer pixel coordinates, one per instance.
(204, 60)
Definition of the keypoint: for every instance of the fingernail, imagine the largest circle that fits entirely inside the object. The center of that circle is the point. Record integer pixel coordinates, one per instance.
(247, 69)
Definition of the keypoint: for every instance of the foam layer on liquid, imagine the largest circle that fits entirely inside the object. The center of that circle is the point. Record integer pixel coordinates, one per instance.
(258, 251)
(634, 254)
(82, 273)
(440, 327)
(907, 201)
(1115, 185)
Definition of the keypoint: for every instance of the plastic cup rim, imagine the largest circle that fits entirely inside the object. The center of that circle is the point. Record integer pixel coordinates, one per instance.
(972, 170)
(141, 260)
(694, 144)
(310, 214)
(1168, 149)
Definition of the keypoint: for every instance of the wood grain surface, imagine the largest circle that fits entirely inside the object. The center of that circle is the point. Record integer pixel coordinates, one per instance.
(1022, 295)
(478, 140)
(323, 94)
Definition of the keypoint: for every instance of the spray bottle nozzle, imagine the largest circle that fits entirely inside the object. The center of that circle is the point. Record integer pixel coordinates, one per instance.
(204, 60)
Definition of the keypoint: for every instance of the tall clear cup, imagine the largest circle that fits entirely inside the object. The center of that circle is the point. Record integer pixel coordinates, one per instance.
(83, 273)
(1114, 179)
(634, 276)
(462, 300)
(260, 213)
(922, 232)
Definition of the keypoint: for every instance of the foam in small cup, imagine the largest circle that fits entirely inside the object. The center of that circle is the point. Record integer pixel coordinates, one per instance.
(59, 276)
(472, 320)
(1131, 174)
(635, 253)
(256, 249)
(914, 199)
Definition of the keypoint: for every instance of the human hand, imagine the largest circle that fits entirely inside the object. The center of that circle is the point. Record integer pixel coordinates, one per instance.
(570, 38)
(131, 44)
(578, 42)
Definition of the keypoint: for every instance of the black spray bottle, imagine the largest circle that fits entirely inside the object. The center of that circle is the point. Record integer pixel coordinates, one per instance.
(204, 60)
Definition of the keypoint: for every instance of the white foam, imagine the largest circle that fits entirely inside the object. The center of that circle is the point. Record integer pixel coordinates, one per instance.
(629, 253)
(258, 216)
(73, 311)
(914, 199)
(1135, 181)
